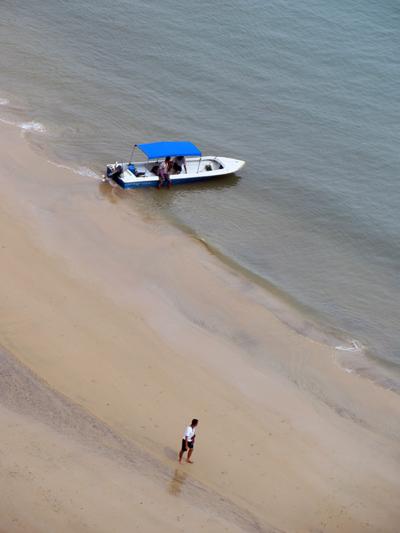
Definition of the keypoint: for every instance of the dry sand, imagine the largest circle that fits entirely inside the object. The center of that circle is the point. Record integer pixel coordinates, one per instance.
(116, 330)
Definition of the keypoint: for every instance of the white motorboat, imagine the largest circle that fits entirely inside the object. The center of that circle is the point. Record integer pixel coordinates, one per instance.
(145, 174)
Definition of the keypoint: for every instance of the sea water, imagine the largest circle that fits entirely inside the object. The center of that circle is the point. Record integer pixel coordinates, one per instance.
(308, 93)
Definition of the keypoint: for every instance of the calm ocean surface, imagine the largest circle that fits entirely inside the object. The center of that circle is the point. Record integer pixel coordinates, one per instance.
(308, 93)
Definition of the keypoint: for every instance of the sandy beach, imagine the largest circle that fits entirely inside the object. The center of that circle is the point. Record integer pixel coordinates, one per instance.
(116, 329)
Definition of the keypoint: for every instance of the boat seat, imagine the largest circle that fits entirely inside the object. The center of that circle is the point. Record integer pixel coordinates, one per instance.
(138, 172)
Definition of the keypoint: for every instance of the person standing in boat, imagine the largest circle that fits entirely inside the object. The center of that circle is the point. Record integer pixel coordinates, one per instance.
(179, 162)
(188, 441)
(163, 172)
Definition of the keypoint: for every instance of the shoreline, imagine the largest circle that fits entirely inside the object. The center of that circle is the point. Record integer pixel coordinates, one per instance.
(352, 355)
(138, 325)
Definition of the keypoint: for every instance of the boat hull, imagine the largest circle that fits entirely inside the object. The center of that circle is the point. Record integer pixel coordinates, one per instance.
(199, 169)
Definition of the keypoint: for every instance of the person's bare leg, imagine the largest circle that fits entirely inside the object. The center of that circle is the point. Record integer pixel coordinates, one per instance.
(181, 454)
(189, 456)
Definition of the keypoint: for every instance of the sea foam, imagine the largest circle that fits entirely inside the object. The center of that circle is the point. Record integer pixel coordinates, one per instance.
(354, 347)
(82, 171)
(85, 171)
(32, 126)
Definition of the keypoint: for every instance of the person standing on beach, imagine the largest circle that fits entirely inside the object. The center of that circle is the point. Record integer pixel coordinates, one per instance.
(188, 441)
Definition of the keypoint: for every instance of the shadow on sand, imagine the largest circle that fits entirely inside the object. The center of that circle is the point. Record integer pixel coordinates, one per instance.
(176, 484)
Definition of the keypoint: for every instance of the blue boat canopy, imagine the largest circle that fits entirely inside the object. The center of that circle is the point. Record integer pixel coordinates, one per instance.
(171, 148)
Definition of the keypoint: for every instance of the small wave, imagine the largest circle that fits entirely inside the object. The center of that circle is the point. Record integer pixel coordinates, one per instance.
(82, 171)
(4, 101)
(8, 122)
(85, 171)
(32, 126)
(354, 347)
(25, 126)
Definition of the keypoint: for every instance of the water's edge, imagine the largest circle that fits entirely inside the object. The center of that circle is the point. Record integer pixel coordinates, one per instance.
(351, 354)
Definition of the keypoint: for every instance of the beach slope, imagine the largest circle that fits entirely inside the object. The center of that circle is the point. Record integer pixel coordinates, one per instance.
(116, 330)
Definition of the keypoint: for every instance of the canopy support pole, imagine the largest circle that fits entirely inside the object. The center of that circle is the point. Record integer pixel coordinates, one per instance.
(199, 165)
(131, 157)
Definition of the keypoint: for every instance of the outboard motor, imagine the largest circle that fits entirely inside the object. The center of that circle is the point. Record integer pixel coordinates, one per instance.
(113, 171)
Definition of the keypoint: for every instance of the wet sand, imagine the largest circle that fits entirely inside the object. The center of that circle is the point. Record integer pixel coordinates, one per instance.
(118, 329)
